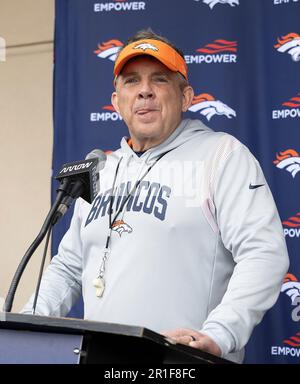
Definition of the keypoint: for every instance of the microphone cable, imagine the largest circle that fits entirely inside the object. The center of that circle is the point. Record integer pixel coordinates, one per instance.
(37, 290)
(24, 261)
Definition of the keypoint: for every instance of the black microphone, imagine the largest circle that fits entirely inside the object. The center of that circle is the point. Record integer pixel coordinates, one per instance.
(82, 178)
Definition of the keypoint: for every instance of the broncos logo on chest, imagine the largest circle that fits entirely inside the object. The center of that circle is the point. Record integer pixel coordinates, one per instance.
(120, 226)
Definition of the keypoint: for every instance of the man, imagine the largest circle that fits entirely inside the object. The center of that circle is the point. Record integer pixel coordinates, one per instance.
(184, 237)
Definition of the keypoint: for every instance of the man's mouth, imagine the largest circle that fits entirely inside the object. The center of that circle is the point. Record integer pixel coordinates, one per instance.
(145, 110)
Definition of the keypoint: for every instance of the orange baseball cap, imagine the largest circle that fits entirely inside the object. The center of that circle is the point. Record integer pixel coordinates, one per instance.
(156, 48)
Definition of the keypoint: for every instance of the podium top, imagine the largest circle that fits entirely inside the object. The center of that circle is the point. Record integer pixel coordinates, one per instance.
(69, 325)
(47, 324)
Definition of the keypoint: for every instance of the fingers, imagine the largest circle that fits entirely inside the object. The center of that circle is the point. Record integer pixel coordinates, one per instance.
(193, 339)
(183, 335)
(185, 339)
(207, 345)
(180, 332)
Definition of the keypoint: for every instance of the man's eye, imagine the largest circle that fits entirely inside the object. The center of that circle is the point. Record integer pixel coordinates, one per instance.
(161, 79)
(130, 80)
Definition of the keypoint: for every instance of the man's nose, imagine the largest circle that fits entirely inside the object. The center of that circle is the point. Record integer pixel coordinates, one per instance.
(146, 91)
(145, 95)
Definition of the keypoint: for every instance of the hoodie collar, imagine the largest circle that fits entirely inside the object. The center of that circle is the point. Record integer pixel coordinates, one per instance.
(185, 131)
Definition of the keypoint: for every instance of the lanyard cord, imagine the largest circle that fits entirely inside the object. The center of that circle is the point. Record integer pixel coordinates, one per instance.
(112, 195)
(137, 183)
(99, 282)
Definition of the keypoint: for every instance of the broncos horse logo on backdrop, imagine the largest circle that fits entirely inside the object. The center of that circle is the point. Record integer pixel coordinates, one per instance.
(293, 341)
(294, 102)
(109, 49)
(219, 46)
(212, 3)
(120, 226)
(293, 221)
(209, 106)
(290, 44)
(109, 108)
(291, 287)
(288, 160)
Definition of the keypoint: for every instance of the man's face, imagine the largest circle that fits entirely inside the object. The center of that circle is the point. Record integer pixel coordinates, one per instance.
(149, 99)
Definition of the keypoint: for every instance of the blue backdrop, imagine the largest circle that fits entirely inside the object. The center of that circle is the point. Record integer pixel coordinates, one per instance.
(244, 64)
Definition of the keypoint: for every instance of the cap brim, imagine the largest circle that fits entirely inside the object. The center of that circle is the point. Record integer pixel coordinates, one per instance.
(157, 49)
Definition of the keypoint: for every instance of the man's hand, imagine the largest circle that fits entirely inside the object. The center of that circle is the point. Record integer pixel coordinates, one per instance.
(193, 339)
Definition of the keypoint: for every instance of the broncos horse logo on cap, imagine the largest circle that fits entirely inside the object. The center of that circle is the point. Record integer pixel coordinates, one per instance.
(120, 226)
(209, 106)
(290, 44)
(145, 46)
(288, 160)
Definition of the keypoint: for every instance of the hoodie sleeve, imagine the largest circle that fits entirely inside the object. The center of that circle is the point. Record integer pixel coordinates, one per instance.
(61, 283)
(251, 230)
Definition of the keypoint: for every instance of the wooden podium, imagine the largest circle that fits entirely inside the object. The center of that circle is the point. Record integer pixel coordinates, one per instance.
(27, 339)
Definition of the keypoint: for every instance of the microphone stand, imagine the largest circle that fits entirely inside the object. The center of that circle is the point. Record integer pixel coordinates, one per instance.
(77, 179)
(49, 221)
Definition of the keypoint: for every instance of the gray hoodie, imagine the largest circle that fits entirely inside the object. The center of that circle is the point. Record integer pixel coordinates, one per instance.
(199, 243)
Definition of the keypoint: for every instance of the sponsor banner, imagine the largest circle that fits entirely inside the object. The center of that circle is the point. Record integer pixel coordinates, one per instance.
(237, 66)
(108, 114)
(290, 345)
(285, 2)
(291, 110)
(291, 226)
(119, 6)
(219, 51)
(277, 350)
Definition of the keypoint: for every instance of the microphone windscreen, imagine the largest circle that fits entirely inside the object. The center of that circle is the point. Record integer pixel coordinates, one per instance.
(100, 155)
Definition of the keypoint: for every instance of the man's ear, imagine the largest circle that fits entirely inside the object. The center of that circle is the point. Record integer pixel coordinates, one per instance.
(187, 98)
(114, 101)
